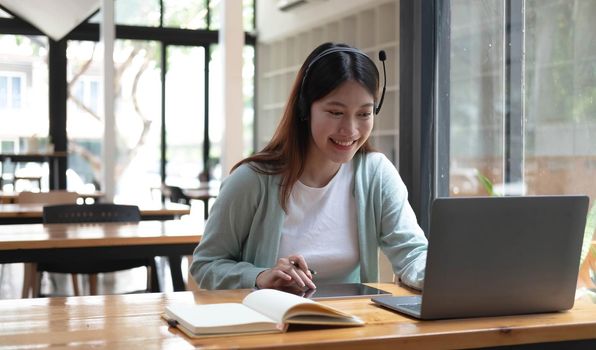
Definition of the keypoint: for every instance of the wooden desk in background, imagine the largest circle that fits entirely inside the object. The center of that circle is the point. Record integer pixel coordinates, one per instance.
(33, 213)
(133, 322)
(74, 242)
(203, 194)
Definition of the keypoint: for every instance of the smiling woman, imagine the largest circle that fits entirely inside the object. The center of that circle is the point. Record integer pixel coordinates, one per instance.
(317, 195)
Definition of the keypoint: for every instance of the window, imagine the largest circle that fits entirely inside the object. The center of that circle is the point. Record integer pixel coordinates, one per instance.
(83, 123)
(185, 14)
(477, 90)
(86, 93)
(158, 45)
(216, 124)
(24, 91)
(137, 12)
(11, 90)
(522, 98)
(185, 115)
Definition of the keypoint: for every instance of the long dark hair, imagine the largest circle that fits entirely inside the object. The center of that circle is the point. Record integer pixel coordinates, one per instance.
(286, 153)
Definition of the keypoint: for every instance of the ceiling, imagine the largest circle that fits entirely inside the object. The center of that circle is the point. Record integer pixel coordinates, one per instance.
(55, 18)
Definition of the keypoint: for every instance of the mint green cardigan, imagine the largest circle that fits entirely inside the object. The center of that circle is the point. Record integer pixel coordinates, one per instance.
(243, 232)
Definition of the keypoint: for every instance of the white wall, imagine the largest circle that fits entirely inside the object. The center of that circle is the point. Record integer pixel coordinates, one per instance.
(273, 23)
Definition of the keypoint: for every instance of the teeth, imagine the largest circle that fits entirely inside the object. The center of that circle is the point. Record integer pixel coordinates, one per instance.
(343, 143)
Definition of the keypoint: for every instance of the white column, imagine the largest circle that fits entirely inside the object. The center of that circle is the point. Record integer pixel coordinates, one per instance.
(231, 41)
(108, 156)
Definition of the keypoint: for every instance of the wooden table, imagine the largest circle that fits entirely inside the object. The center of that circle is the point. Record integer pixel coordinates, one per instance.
(63, 242)
(133, 322)
(203, 194)
(10, 197)
(33, 213)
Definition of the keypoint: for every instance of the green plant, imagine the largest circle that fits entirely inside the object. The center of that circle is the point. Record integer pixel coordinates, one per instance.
(487, 184)
(587, 248)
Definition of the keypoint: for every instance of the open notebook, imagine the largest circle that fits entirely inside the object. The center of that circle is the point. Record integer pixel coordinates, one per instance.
(262, 311)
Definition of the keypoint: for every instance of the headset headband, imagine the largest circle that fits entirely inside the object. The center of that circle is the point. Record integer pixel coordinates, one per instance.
(331, 50)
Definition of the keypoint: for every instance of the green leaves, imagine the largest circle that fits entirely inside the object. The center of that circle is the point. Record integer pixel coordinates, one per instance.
(486, 183)
(589, 233)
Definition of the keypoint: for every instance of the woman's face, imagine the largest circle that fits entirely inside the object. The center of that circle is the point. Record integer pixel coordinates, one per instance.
(341, 122)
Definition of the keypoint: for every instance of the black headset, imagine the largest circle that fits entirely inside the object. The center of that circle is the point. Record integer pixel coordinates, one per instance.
(382, 57)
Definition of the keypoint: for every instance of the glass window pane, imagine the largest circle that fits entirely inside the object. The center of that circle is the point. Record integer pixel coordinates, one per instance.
(248, 15)
(16, 92)
(138, 119)
(558, 84)
(94, 95)
(84, 124)
(137, 12)
(185, 14)
(24, 92)
(477, 90)
(560, 109)
(248, 75)
(214, 14)
(216, 127)
(215, 103)
(185, 115)
(3, 92)
(137, 115)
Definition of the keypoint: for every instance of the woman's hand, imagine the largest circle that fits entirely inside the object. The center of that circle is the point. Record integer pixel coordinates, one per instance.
(289, 273)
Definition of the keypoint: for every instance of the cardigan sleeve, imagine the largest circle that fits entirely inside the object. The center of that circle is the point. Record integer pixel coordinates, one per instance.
(218, 259)
(401, 238)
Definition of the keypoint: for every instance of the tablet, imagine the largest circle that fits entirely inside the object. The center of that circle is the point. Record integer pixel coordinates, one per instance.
(343, 290)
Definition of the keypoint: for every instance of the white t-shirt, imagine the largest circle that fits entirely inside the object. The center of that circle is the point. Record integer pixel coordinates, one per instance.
(321, 226)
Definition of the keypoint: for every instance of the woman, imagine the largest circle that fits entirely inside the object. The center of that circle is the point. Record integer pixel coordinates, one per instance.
(317, 196)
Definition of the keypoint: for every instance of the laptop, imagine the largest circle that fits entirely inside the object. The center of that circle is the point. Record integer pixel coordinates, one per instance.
(494, 256)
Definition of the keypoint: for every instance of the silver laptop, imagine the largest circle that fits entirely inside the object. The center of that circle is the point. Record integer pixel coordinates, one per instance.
(490, 256)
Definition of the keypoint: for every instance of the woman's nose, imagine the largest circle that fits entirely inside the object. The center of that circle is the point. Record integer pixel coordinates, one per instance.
(348, 125)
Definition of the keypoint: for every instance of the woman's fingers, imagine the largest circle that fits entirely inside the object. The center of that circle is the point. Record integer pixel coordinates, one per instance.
(306, 281)
(287, 273)
(302, 271)
(300, 262)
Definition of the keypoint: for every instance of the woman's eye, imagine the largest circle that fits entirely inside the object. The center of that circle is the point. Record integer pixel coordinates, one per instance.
(335, 113)
(365, 114)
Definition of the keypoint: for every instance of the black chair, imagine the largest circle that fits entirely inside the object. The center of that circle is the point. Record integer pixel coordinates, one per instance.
(101, 212)
(176, 195)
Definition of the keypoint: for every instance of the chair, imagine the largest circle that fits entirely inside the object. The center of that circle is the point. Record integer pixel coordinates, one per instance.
(52, 197)
(176, 195)
(101, 212)
(31, 173)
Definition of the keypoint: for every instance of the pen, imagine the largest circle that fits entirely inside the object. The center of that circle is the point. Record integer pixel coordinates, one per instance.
(312, 272)
(172, 322)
